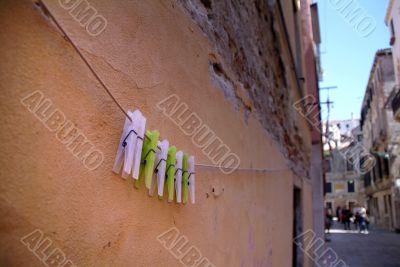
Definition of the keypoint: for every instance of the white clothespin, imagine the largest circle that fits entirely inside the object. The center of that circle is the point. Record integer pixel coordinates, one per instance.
(162, 161)
(139, 145)
(121, 149)
(178, 176)
(192, 182)
(159, 168)
(130, 143)
(123, 146)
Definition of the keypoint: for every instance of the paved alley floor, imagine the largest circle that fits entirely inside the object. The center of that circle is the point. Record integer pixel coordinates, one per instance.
(378, 248)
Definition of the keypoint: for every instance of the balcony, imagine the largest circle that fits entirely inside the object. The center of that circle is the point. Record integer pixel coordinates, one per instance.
(396, 105)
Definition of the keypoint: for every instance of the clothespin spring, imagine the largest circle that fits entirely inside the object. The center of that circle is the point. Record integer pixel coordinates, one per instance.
(166, 173)
(156, 168)
(189, 177)
(141, 138)
(178, 170)
(126, 137)
(145, 157)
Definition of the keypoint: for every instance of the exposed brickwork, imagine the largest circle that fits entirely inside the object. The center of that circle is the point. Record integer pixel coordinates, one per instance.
(252, 73)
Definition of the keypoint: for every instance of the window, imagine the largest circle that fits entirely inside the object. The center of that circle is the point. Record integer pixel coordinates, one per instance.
(392, 31)
(378, 169)
(379, 164)
(385, 203)
(350, 186)
(328, 165)
(339, 187)
(367, 179)
(329, 205)
(386, 166)
(328, 187)
(349, 164)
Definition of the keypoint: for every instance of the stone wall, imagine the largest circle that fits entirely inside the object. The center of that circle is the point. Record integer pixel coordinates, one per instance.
(253, 69)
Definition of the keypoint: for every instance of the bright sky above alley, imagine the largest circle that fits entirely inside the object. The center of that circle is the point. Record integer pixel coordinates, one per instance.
(348, 52)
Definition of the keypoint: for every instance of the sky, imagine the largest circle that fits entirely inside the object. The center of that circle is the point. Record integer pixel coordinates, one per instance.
(347, 55)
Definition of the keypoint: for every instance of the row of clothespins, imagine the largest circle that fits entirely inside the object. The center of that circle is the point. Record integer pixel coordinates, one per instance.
(144, 157)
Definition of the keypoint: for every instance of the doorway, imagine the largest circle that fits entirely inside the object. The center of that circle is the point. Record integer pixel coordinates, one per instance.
(297, 227)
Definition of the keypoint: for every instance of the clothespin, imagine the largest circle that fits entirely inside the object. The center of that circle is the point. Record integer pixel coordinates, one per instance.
(139, 145)
(130, 143)
(121, 149)
(148, 158)
(185, 179)
(125, 145)
(159, 169)
(192, 185)
(178, 176)
(170, 173)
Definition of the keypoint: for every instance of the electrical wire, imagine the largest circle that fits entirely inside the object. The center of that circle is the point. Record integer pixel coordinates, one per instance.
(120, 106)
(84, 59)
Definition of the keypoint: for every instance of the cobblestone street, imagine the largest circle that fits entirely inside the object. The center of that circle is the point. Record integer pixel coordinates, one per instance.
(378, 248)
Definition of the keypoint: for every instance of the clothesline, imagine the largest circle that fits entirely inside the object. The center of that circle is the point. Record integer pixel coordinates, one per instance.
(84, 60)
(243, 169)
(123, 110)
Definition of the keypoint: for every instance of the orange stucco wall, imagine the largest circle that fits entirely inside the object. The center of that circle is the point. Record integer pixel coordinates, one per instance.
(149, 50)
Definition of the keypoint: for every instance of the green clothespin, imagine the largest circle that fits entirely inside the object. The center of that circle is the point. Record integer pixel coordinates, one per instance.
(185, 178)
(148, 158)
(171, 172)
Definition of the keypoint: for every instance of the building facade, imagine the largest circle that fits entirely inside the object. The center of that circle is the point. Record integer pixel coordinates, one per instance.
(344, 187)
(392, 20)
(238, 67)
(380, 134)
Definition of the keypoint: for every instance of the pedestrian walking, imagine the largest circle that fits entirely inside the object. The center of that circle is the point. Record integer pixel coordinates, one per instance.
(345, 218)
(363, 228)
(357, 220)
(328, 219)
(338, 213)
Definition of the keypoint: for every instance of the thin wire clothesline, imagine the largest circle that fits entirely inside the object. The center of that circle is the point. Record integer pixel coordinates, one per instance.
(84, 59)
(242, 169)
(123, 110)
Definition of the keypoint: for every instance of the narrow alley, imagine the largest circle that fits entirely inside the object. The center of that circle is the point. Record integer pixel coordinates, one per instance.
(375, 249)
